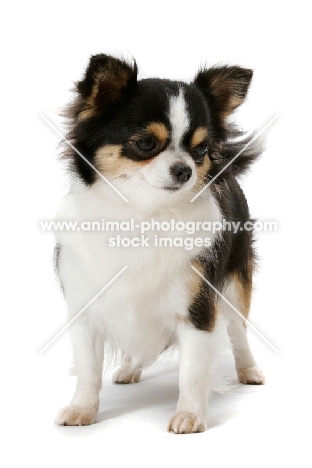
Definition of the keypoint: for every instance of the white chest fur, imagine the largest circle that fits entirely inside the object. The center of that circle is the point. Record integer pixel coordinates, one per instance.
(140, 308)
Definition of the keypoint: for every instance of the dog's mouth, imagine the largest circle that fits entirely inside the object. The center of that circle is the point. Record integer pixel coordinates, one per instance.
(166, 188)
(172, 189)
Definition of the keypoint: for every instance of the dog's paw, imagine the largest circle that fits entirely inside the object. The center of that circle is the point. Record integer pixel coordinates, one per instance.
(124, 375)
(251, 376)
(75, 416)
(186, 423)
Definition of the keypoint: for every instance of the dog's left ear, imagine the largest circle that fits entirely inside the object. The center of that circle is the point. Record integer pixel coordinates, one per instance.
(224, 88)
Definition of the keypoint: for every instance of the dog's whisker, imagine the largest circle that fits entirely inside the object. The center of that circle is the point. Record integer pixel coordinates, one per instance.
(116, 185)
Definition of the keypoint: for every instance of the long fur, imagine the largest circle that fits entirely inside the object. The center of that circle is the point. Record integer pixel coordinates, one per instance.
(159, 142)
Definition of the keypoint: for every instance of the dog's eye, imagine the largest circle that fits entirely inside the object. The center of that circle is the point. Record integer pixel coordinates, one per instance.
(146, 144)
(201, 150)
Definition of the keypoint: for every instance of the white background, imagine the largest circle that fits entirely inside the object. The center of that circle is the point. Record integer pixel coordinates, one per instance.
(45, 47)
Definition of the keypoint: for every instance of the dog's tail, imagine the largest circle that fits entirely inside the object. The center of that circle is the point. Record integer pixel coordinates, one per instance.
(239, 152)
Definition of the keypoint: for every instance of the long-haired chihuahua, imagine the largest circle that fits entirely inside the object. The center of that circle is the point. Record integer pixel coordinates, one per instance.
(160, 155)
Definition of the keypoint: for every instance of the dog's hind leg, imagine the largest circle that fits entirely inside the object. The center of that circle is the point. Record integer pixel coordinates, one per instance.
(247, 370)
(239, 294)
(127, 372)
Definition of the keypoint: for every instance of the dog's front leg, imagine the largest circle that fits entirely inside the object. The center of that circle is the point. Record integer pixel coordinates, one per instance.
(88, 350)
(197, 351)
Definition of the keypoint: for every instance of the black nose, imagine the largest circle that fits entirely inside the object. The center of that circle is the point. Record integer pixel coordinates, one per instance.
(181, 173)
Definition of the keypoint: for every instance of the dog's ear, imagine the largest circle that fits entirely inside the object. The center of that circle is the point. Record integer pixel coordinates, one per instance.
(224, 88)
(105, 82)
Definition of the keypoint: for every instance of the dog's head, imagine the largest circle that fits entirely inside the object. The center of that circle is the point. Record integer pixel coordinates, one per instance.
(160, 137)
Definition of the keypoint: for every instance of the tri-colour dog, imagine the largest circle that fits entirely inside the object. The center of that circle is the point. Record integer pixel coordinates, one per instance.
(159, 143)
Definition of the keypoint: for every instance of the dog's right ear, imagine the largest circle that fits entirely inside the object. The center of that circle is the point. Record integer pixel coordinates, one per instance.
(105, 82)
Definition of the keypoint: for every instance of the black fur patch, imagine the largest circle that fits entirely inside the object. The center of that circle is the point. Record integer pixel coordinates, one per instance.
(232, 254)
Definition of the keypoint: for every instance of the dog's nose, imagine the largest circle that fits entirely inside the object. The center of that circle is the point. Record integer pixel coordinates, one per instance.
(181, 173)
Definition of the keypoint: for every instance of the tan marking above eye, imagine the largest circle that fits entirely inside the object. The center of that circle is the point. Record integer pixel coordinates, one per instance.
(199, 136)
(158, 130)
